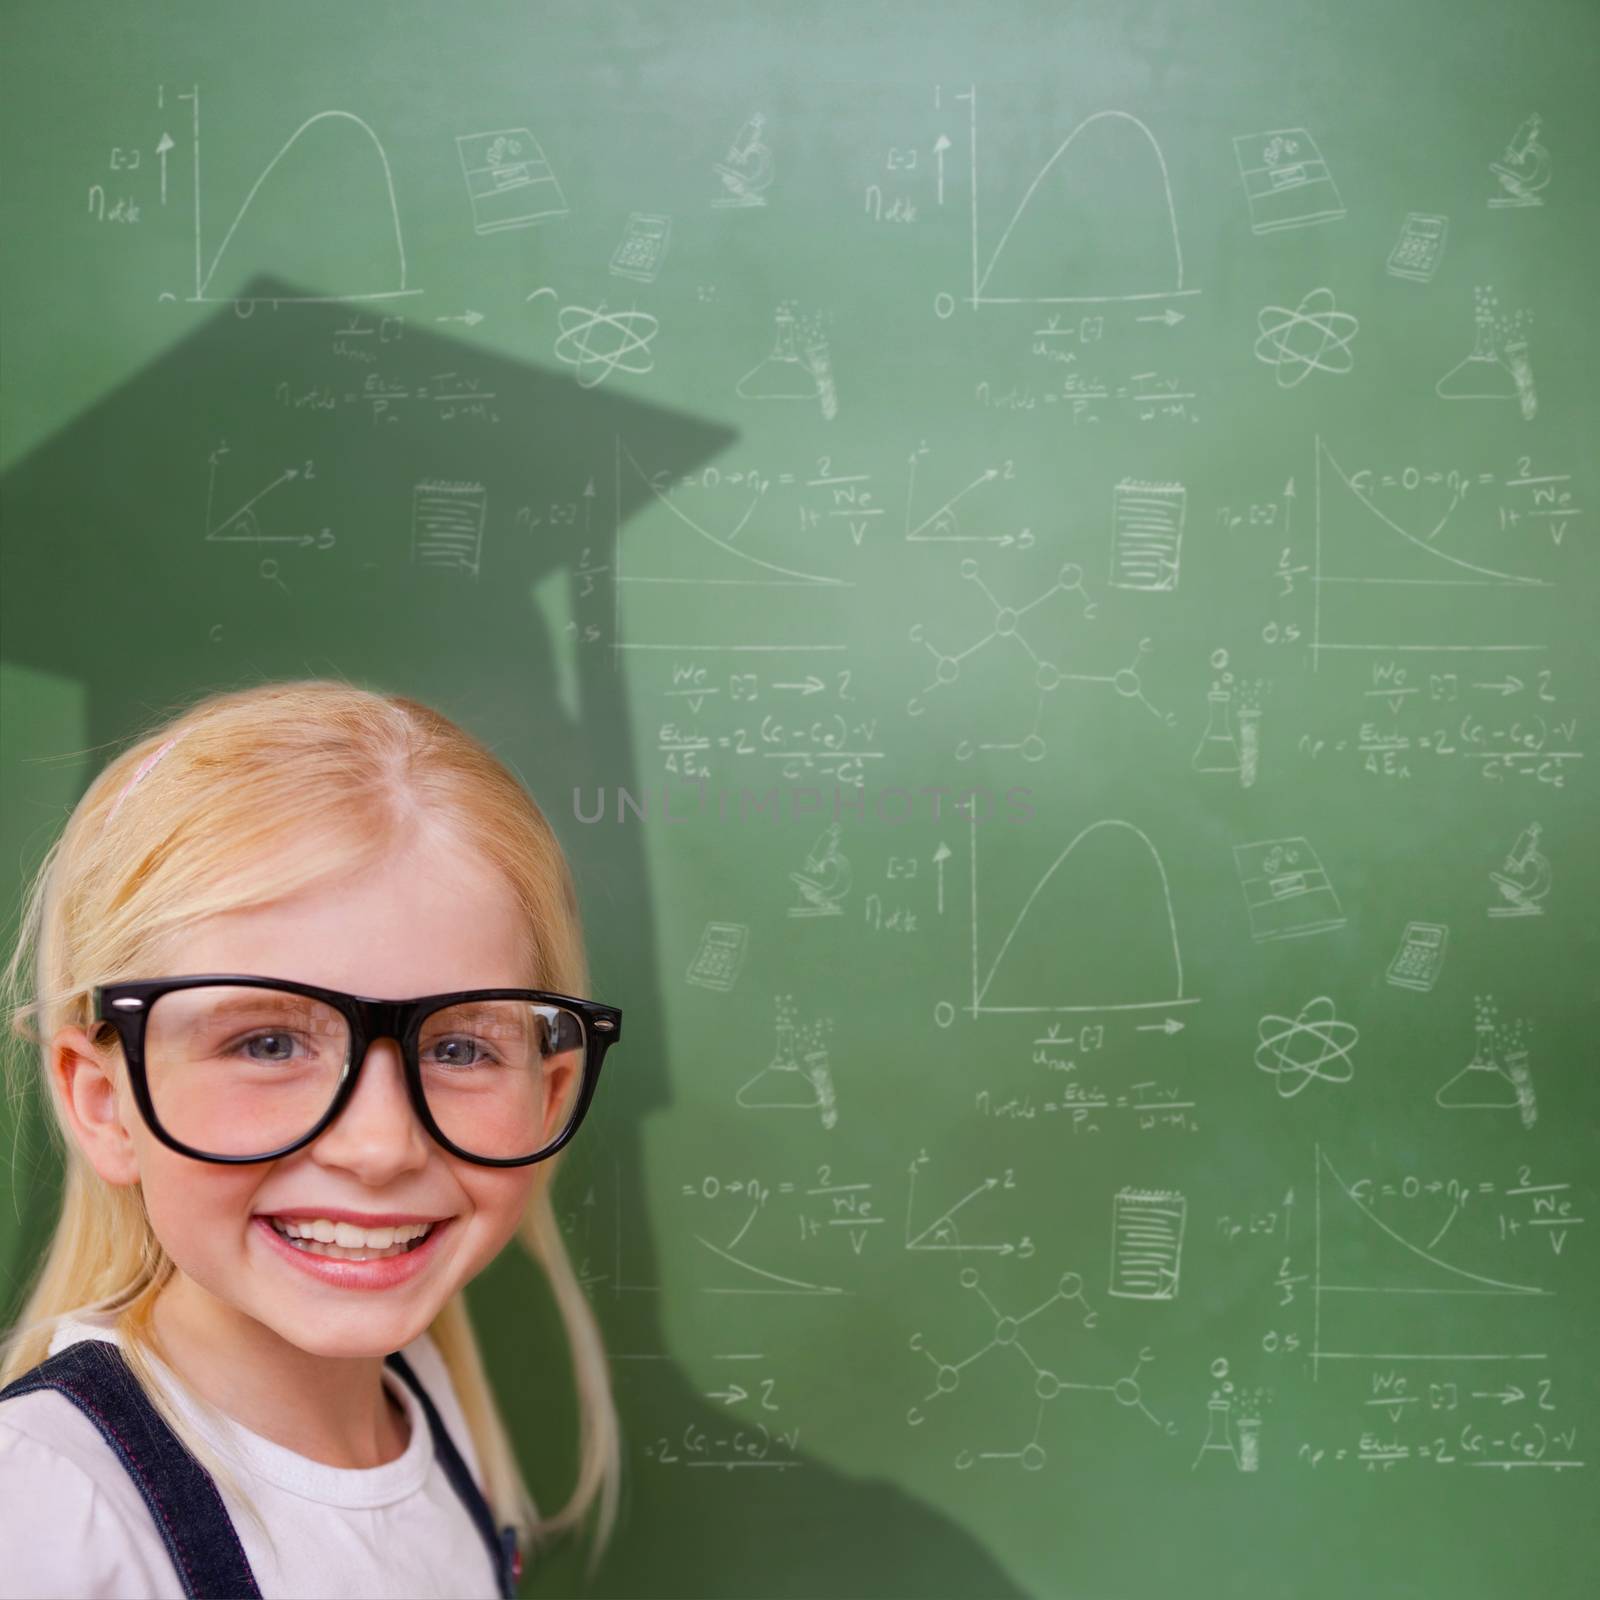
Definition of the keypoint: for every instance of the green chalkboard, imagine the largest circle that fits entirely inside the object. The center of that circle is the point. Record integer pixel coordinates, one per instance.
(1041, 560)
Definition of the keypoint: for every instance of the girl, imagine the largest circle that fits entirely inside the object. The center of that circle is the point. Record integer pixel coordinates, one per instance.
(245, 1363)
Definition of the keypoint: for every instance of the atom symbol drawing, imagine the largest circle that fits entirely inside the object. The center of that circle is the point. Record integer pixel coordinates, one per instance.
(1314, 337)
(599, 342)
(1314, 1044)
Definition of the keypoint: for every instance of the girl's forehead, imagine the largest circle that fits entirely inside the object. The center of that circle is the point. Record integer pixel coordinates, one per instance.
(392, 934)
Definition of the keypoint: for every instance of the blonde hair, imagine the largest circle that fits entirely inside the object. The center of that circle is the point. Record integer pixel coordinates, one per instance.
(260, 792)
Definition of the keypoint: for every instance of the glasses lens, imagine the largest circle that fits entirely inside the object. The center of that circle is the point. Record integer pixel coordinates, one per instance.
(241, 1071)
(501, 1077)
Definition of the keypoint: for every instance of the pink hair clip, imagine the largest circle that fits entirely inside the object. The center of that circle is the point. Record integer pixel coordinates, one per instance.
(139, 776)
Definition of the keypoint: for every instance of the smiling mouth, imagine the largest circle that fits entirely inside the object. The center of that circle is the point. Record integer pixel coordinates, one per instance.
(302, 1238)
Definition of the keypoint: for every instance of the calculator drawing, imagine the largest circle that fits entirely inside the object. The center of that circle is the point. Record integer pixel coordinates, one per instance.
(1417, 962)
(644, 243)
(1417, 251)
(716, 962)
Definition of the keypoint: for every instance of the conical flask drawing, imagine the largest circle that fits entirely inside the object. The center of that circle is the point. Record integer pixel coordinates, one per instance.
(1480, 375)
(781, 1084)
(1219, 1435)
(783, 375)
(1483, 1084)
(1217, 751)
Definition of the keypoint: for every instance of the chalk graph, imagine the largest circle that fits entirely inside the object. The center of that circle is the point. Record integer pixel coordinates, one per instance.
(1096, 224)
(383, 257)
(693, 556)
(1381, 1315)
(1379, 585)
(1142, 972)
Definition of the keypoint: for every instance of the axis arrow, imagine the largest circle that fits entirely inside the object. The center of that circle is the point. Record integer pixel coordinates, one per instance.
(165, 145)
(940, 145)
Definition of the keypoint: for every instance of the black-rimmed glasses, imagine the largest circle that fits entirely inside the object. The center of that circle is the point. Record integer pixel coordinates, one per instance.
(231, 1068)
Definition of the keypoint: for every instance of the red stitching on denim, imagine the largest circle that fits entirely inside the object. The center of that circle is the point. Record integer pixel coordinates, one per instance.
(90, 1406)
(177, 1544)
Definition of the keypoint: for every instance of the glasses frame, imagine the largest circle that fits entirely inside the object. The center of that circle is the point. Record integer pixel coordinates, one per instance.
(126, 1007)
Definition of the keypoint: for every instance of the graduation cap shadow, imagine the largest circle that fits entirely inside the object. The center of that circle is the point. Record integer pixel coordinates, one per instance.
(319, 488)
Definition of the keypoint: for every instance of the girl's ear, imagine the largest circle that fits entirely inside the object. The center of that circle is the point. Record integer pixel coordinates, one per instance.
(100, 1115)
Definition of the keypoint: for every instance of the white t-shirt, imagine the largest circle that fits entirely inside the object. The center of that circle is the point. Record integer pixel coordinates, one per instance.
(72, 1521)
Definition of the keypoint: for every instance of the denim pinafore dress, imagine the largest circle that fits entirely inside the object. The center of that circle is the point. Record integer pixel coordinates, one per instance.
(182, 1496)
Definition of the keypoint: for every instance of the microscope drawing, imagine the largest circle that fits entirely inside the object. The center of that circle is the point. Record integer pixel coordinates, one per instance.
(1524, 168)
(826, 879)
(746, 170)
(1523, 879)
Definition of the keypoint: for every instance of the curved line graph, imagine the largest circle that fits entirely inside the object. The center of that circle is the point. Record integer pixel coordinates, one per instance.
(785, 1285)
(1417, 1250)
(722, 544)
(1061, 150)
(1166, 894)
(388, 178)
(1422, 543)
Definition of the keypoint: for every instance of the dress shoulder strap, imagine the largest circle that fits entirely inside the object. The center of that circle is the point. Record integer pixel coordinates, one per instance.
(503, 1552)
(181, 1495)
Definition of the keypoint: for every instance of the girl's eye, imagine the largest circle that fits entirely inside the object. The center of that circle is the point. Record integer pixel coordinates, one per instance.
(461, 1044)
(283, 1040)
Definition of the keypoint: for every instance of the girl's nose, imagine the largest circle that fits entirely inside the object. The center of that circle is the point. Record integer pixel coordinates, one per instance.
(378, 1122)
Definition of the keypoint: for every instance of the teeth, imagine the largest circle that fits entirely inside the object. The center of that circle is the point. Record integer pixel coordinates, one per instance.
(349, 1237)
(334, 1252)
